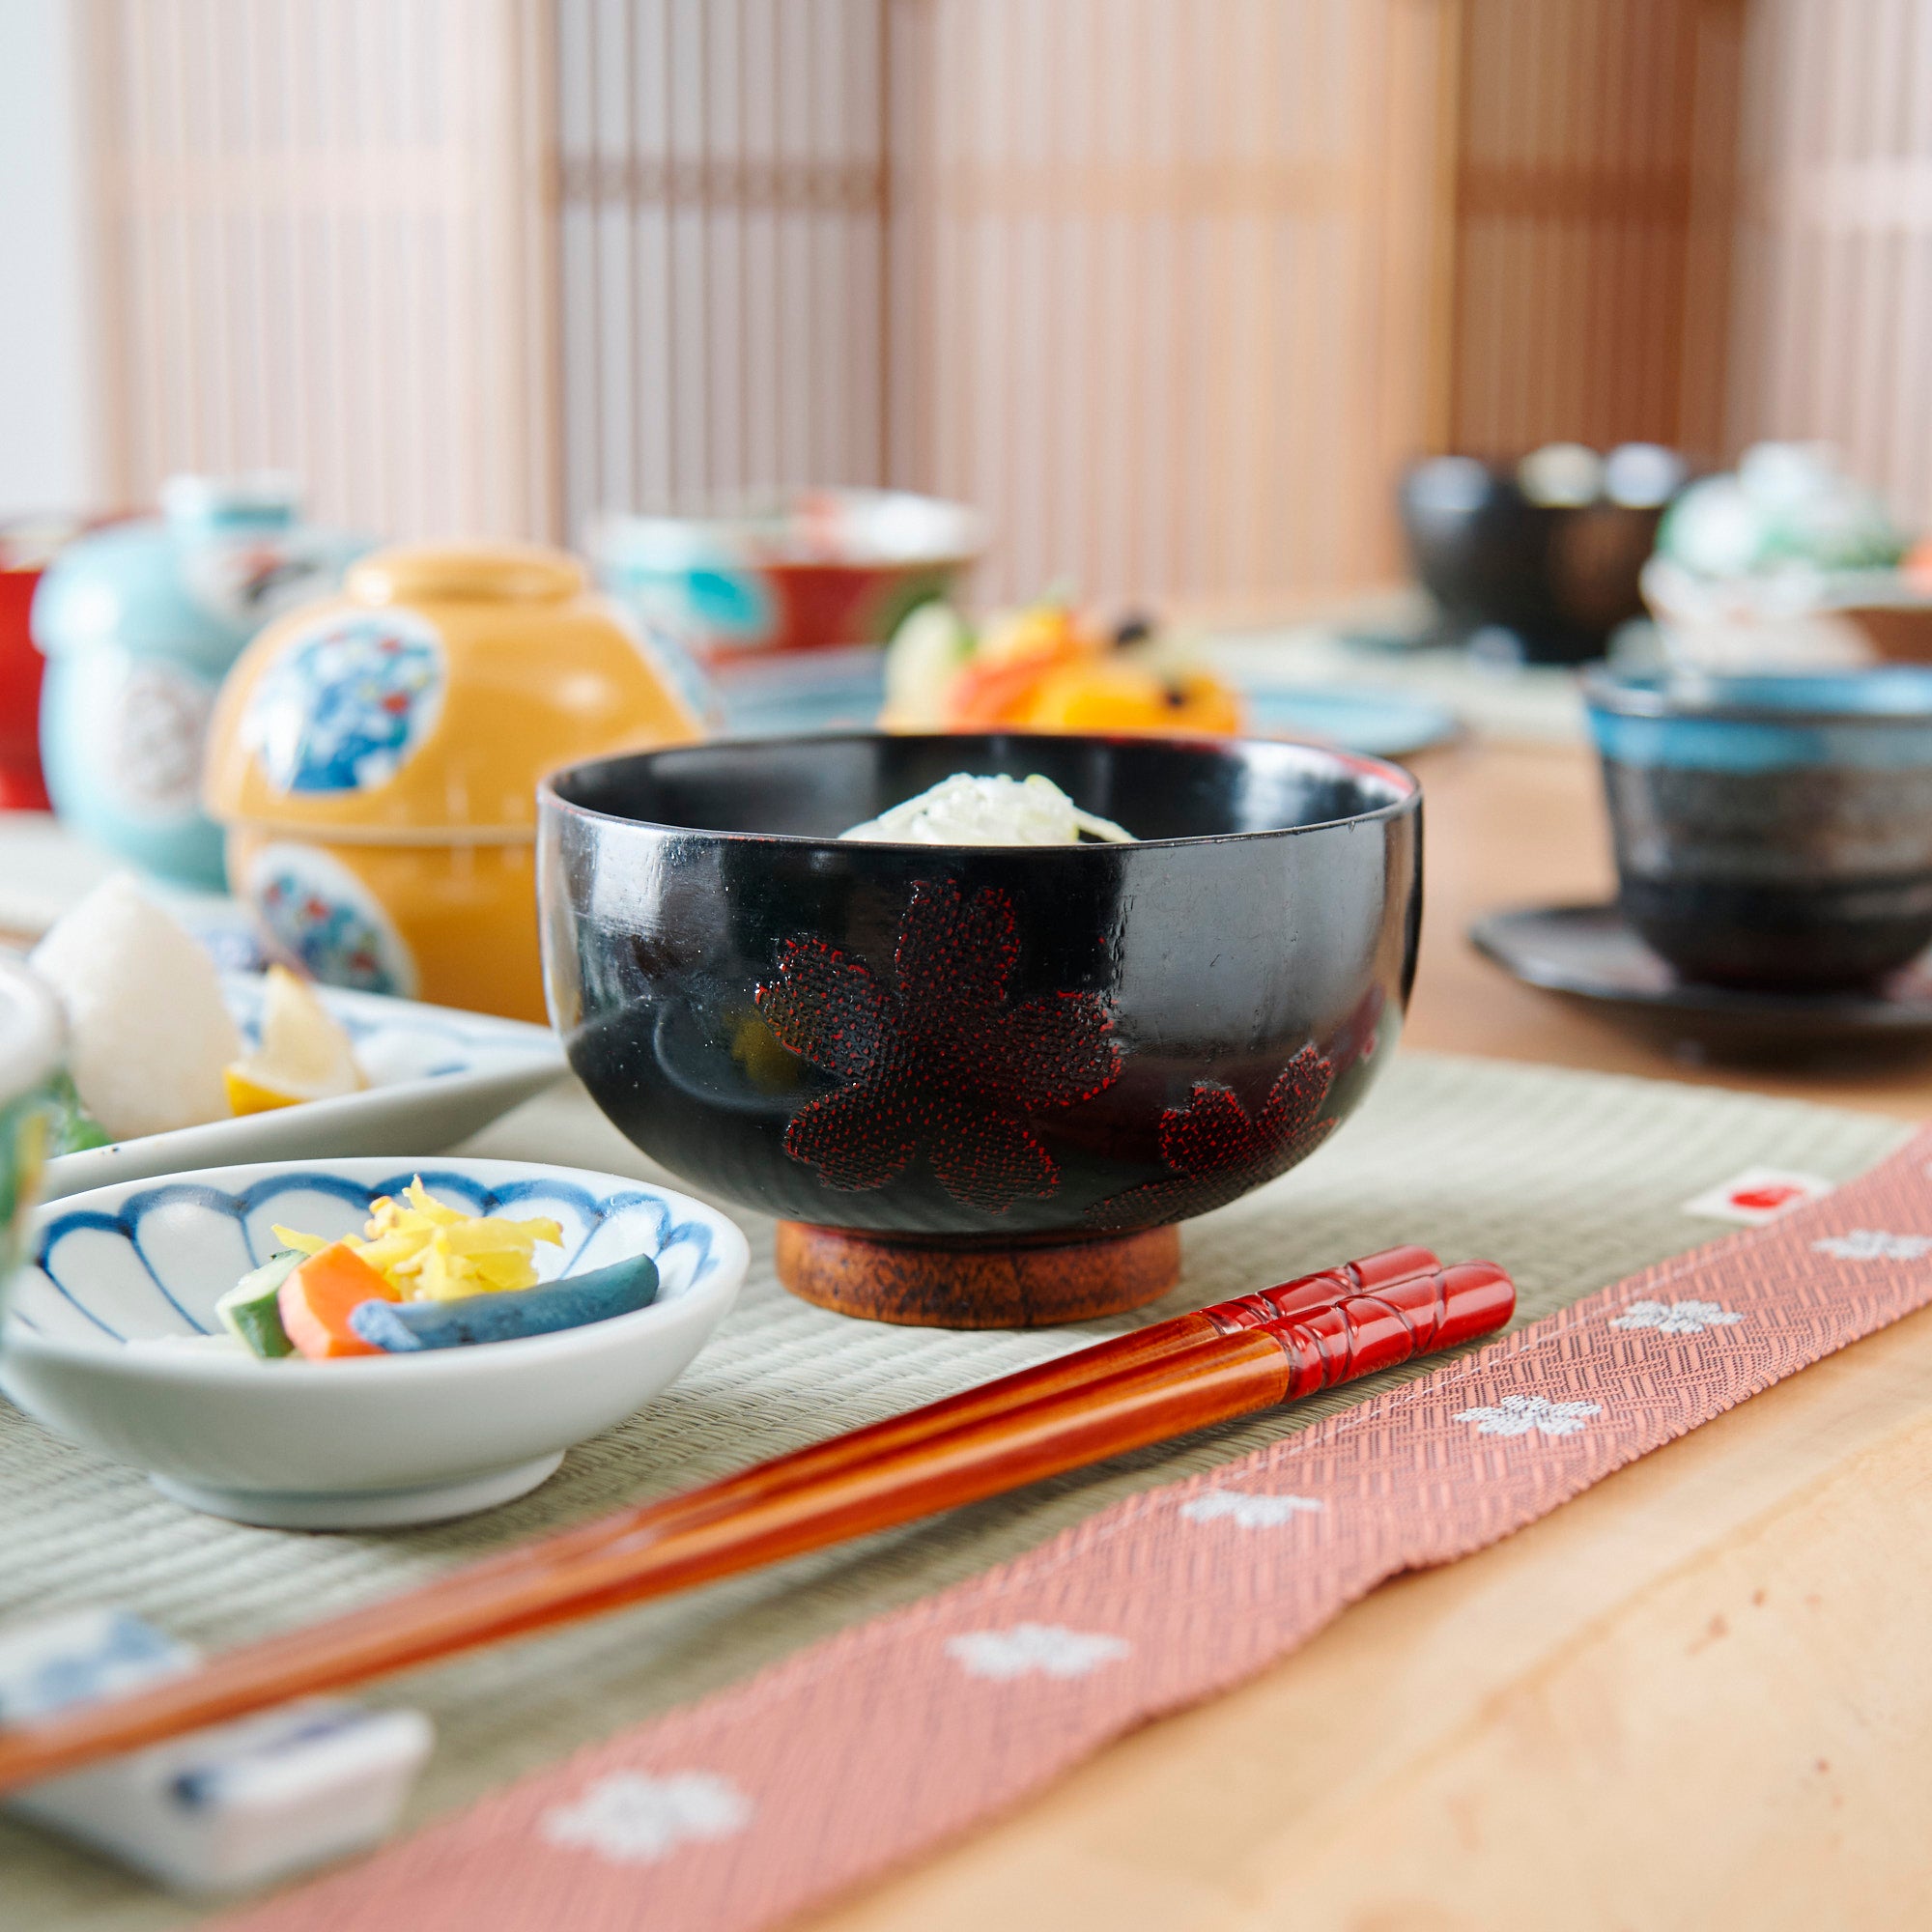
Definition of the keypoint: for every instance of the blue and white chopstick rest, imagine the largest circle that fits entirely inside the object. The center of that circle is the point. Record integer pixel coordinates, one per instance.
(228, 1807)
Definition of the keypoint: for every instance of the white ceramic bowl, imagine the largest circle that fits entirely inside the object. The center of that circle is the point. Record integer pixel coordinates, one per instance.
(362, 1442)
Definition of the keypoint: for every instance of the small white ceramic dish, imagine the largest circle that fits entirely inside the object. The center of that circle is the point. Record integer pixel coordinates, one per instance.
(435, 1076)
(364, 1443)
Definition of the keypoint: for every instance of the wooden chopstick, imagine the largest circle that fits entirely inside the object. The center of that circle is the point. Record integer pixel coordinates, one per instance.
(1160, 1341)
(636, 1555)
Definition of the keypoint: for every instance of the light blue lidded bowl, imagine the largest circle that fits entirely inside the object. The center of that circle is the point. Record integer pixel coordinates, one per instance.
(1874, 719)
(139, 622)
(1771, 830)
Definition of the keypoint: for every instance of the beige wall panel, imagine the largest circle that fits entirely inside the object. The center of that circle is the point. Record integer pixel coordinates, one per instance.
(326, 245)
(1834, 238)
(1593, 208)
(722, 236)
(1161, 284)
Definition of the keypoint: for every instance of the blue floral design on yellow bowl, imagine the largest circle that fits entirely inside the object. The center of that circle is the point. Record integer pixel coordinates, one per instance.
(343, 707)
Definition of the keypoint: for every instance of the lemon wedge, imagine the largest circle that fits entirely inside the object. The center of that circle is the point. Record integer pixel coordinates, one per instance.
(304, 1054)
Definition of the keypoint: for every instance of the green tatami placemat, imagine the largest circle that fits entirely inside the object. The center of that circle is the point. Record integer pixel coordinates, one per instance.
(1569, 1179)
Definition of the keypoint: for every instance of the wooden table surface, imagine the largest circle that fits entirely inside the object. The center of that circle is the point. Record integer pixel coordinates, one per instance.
(1694, 1697)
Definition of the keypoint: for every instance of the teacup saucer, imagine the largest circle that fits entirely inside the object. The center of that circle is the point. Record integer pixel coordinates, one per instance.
(1587, 952)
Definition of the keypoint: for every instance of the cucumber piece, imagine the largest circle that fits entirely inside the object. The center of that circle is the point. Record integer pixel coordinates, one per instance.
(508, 1316)
(71, 1127)
(249, 1310)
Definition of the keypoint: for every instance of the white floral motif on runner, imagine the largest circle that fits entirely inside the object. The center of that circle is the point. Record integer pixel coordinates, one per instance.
(1522, 1415)
(1030, 1650)
(1872, 1244)
(1676, 1317)
(1246, 1510)
(635, 1820)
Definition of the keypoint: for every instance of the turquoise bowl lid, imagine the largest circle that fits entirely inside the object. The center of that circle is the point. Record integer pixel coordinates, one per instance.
(196, 583)
(1693, 721)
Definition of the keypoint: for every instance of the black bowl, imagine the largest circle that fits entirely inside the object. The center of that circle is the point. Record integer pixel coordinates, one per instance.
(982, 1046)
(1559, 578)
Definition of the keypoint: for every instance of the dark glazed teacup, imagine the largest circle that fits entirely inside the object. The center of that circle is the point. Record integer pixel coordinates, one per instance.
(1558, 577)
(1772, 832)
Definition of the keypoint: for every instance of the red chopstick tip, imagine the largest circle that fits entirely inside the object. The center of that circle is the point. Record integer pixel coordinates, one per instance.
(1478, 1297)
(1388, 1264)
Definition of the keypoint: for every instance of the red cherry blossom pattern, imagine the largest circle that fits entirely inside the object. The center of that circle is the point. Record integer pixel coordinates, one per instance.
(942, 1062)
(1218, 1150)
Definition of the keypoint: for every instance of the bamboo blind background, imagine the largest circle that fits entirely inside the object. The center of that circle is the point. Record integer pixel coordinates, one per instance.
(722, 191)
(1835, 240)
(1170, 288)
(327, 249)
(1155, 264)
(1593, 203)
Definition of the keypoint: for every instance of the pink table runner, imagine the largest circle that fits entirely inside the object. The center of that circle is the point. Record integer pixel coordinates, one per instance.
(862, 1751)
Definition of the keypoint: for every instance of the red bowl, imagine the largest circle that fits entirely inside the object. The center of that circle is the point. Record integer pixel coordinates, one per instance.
(21, 788)
(27, 547)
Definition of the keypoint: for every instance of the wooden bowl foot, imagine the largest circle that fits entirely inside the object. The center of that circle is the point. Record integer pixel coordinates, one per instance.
(1020, 1287)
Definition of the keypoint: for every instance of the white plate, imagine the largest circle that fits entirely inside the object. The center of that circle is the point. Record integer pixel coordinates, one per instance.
(435, 1076)
(368, 1441)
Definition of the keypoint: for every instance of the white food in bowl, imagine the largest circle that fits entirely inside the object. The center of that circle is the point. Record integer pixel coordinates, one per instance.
(967, 810)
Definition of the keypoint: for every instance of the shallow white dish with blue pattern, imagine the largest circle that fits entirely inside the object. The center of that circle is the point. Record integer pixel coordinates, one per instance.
(435, 1076)
(362, 1442)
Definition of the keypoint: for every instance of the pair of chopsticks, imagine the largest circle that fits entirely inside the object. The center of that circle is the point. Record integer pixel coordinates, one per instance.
(1166, 1381)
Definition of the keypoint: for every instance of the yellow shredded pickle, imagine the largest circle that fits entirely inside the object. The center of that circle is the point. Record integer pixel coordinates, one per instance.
(428, 1251)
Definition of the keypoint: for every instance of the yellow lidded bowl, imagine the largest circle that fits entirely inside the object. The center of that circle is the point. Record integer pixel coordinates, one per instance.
(374, 761)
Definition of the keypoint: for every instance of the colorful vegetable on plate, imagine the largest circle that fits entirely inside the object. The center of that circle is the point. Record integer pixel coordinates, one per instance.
(71, 1127)
(251, 1309)
(1046, 669)
(427, 1251)
(1115, 697)
(322, 1293)
(422, 1275)
(400, 1327)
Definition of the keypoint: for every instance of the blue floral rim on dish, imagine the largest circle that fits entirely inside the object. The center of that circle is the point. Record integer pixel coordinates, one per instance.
(1869, 720)
(250, 1208)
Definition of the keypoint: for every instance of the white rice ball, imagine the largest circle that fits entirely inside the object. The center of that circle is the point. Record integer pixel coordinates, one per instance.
(148, 1034)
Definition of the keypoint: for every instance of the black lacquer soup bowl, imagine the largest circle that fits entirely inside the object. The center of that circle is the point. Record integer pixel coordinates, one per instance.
(992, 1071)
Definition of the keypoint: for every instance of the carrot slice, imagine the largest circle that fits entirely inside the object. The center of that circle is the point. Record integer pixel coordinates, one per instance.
(998, 694)
(318, 1299)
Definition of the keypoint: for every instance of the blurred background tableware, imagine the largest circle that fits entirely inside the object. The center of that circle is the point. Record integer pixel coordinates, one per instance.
(363, 1442)
(28, 545)
(813, 570)
(434, 1076)
(138, 622)
(1786, 563)
(981, 1084)
(375, 759)
(31, 1051)
(1593, 956)
(1538, 560)
(1772, 832)
(843, 691)
(1051, 665)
